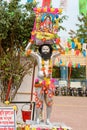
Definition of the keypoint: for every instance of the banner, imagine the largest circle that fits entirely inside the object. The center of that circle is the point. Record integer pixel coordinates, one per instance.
(83, 6)
(7, 118)
(46, 3)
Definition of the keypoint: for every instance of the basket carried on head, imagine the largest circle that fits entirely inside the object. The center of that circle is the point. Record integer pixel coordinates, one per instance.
(26, 112)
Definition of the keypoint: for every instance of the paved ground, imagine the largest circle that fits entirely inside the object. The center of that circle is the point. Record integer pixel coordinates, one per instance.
(70, 110)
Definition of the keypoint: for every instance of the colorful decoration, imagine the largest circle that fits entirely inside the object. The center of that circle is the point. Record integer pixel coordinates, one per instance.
(26, 127)
(48, 45)
(73, 46)
(46, 3)
(46, 23)
(60, 62)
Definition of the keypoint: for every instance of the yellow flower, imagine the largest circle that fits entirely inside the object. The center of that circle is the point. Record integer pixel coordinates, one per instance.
(52, 9)
(27, 127)
(33, 128)
(15, 108)
(42, 62)
(65, 128)
(50, 62)
(7, 102)
(54, 129)
(60, 10)
(47, 81)
(45, 9)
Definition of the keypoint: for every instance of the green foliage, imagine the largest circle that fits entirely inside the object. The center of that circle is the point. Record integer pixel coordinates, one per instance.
(16, 23)
(81, 32)
(56, 72)
(78, 73)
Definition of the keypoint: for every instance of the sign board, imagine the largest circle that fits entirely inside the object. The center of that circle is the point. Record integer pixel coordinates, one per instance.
(62, 83)
(7, 118)
(75, 85)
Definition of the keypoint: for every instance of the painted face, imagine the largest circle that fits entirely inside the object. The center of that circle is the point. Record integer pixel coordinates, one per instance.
(47, 19)
(45, 49)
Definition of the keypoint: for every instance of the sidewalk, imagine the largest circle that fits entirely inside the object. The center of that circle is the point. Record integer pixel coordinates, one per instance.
(70, 110)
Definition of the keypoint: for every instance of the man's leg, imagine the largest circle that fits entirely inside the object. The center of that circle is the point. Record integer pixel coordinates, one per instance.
(39, 101)
(49, 102)
(37, 115)
(49, 110)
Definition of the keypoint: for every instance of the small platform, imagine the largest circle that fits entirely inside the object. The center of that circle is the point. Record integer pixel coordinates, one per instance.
(44, 126)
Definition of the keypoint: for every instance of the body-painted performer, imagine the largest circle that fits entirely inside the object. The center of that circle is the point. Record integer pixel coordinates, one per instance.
(44, 83)
(44, 36)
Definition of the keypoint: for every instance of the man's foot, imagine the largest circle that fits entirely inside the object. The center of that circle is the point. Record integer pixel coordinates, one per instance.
(38, 121)
(48, 122)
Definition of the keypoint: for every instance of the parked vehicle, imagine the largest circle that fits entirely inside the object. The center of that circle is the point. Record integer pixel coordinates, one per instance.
(56, 91)
(80, 91)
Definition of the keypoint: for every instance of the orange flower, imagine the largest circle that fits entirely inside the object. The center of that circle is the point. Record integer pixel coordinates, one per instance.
(31, 40)
(38, 85)
(57, 40)
(28, 52)
(43, 69)
(33, 33)
(50, 70)
(44, 39)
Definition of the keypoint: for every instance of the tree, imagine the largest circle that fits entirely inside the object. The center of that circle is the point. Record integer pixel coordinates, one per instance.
(16, 23)
(81, 32)
(56, 72)
(78, 73)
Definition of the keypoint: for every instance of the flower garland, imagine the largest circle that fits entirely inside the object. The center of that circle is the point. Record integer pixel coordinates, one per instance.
(49, 67)
(46, 85)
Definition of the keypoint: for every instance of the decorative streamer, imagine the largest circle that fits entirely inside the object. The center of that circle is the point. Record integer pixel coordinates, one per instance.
(73, 45)
(84, 53)
(82, 40)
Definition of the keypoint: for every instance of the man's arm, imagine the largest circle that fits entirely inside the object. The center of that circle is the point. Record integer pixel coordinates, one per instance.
(28, 46)
(57, 53)
(32, 53)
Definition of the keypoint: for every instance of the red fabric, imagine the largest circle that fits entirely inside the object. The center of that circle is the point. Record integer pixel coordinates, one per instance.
(46, 3)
